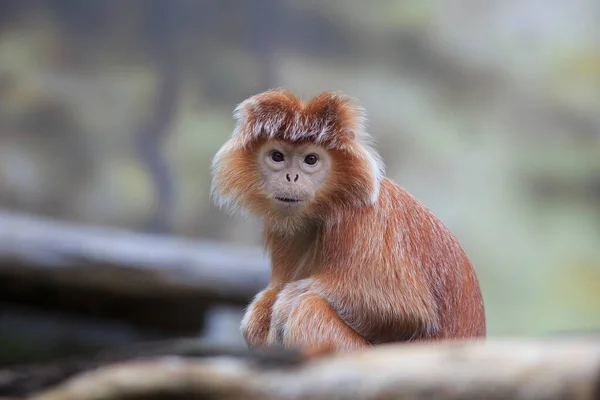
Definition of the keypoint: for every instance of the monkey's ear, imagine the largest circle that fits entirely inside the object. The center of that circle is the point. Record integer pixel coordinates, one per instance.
(343, 120)
(342, 124)
(264, 114)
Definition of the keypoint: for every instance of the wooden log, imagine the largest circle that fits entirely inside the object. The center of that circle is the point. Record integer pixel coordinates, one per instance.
(20, 380)
(85, 256)
(493, 369)
(159, 281)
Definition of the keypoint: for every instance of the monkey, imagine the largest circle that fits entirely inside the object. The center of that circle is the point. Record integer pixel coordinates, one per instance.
(356, 260)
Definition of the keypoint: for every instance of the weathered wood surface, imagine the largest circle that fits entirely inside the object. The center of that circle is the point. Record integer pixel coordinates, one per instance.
(495, 369)
(19, 380)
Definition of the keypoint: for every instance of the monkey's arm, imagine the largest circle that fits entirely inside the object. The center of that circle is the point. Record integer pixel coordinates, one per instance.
(304, 319)
(257, 318)
(313, 323)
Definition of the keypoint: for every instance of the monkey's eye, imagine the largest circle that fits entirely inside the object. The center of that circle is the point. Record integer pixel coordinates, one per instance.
(311, 159)
(277, 156)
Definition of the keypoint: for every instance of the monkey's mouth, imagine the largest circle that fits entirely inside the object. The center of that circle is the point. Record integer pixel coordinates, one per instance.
(287, 199)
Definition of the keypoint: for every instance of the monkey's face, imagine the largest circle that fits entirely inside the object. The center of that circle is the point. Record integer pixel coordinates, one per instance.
(292, 174)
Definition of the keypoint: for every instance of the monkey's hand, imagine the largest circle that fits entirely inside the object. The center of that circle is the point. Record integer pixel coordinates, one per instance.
(303, 319)
(257, 318)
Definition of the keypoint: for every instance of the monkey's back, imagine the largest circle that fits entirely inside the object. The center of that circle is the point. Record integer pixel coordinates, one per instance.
(400, 274)
(443, 262)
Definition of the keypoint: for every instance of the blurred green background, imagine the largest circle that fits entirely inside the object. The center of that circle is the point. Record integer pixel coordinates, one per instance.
(487, 111)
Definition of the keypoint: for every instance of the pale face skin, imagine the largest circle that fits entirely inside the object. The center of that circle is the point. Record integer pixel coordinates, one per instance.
(292, 174)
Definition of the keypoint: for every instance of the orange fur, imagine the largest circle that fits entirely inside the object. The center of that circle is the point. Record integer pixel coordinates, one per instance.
(365, 263)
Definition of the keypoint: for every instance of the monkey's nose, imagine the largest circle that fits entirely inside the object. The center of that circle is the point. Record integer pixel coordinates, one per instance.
(287, 176)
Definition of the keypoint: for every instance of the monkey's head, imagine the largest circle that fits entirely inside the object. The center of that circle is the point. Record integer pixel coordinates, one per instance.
(295, 163)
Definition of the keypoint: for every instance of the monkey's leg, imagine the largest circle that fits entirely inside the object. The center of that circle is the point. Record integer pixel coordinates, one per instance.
(313, 323)
(257, 318)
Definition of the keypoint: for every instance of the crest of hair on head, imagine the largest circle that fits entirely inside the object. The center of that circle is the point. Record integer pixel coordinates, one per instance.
(329, 119)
